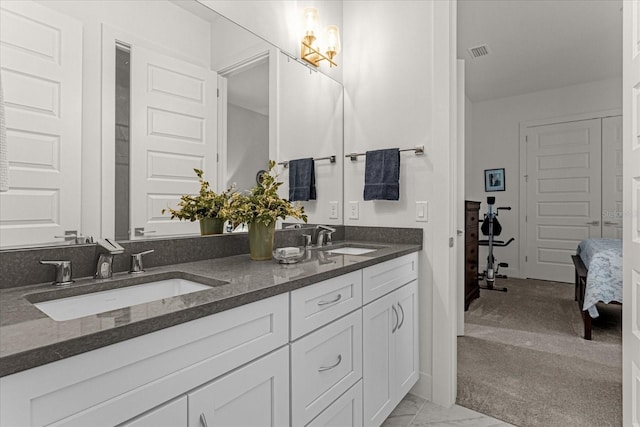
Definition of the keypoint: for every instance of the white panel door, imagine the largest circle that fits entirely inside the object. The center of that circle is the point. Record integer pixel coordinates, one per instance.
(612, 177)
(41, 66)
(173, 131)
(407, 363)
(254, 395)
(563, 195)
(631, 217)
(378, 318)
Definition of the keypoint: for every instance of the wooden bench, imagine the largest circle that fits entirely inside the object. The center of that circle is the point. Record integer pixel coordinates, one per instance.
(580, 287)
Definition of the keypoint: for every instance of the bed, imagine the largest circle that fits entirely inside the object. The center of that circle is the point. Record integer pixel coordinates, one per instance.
(598, 277)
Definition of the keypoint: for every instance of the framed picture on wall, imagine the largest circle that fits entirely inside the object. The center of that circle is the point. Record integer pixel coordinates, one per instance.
(494, 179)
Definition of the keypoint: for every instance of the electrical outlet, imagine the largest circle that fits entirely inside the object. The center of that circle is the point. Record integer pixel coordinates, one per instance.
(422, 211)
(353, 210)
(333, 210)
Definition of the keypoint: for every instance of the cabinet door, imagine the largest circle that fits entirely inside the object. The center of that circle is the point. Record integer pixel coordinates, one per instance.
(254, 395)
(406, 364)
(379, 318)
(173, 413)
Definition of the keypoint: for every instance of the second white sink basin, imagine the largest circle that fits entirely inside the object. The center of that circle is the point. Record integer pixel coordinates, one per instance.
(350, 250)
(100, 302)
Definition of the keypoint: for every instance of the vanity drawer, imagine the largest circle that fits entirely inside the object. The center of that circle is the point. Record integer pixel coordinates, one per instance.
(319, 304)
(324, 365)
(380, 279)
(344, 412)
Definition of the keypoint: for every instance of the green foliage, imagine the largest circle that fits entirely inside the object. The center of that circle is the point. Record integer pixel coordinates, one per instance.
(261, 204)
(206, 204)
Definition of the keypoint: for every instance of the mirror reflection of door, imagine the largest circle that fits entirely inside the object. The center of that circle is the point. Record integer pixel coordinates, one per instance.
(122, 142)
(245, 116)
(165, 128)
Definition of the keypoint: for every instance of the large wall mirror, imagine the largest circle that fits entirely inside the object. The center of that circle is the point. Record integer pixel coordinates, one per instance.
(110, 105)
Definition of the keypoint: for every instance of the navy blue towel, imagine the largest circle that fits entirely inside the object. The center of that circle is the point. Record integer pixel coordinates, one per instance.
(382, 175)
(302, 180)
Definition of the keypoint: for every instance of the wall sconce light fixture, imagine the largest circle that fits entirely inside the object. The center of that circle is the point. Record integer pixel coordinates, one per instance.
(310, 51)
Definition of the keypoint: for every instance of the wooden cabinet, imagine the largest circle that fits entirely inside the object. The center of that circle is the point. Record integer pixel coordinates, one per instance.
(390, 334)
(255, 395)
(471, 286)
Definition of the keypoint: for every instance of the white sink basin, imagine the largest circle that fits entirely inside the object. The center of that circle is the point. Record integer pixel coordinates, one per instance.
(350, 250)
(100, 302)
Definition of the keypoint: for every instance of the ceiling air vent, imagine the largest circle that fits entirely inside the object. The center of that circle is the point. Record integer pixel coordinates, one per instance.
(478, 51)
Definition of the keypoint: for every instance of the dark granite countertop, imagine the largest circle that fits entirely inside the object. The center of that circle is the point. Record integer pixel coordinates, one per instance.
(29, 338)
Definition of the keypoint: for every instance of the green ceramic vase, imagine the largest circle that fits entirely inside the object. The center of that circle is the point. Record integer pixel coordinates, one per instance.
(211, 226)
(261, 240)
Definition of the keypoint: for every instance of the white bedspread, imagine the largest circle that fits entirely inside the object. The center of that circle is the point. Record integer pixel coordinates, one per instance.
(603, 259)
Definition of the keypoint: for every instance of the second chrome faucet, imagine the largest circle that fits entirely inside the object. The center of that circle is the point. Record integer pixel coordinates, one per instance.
(104, 269)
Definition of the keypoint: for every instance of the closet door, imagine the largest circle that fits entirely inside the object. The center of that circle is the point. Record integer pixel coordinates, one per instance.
(563, 195)
(41, 67)
(612, 177)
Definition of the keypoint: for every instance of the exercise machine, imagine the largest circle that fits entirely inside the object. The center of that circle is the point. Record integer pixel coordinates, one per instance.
(491, 228)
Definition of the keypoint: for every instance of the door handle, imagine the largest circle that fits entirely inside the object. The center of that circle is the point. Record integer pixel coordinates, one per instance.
(402, 311)
(611, 223)
(140, 231)
(594, 223)
(203, 420)
(393, 308)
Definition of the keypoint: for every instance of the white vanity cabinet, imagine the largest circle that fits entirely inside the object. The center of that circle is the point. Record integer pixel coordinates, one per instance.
(117, 383)
(390, 346)
(324, 365)
(173, 413)
(340, 352)
(346, 411)
(254, 395)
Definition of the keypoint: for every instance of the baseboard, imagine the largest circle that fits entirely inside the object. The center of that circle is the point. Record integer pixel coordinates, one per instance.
(422, 387)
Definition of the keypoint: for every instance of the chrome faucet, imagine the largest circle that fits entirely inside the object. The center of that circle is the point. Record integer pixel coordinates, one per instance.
(63, 272)
(104, 269)
(136, 262)
(322, 235)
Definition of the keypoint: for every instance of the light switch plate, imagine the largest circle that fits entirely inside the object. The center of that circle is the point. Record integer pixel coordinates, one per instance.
(353, 210)
(333, 210)
(422, 211)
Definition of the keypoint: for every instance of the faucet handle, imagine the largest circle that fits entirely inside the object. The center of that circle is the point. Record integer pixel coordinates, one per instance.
(136, 261)
(63, 272)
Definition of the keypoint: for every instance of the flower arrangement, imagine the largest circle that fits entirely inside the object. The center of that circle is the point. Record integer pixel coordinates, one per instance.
(261, 204)
(206, 204)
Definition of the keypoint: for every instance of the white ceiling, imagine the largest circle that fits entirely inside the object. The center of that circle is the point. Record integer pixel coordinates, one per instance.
(538, 44)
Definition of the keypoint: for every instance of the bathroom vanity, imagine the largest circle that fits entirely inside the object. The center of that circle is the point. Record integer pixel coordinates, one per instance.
(265, 344)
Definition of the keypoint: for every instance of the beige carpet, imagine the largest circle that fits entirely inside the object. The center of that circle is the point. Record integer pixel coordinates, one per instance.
(523, 359)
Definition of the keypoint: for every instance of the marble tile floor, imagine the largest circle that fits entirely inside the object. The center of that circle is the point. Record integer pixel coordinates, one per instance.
(414, 411)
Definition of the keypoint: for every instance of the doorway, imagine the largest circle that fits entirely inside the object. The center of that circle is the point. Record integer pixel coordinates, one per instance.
(573, 188)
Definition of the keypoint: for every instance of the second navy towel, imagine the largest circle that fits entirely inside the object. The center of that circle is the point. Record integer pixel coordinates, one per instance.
(382, 175)
(302, 180)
